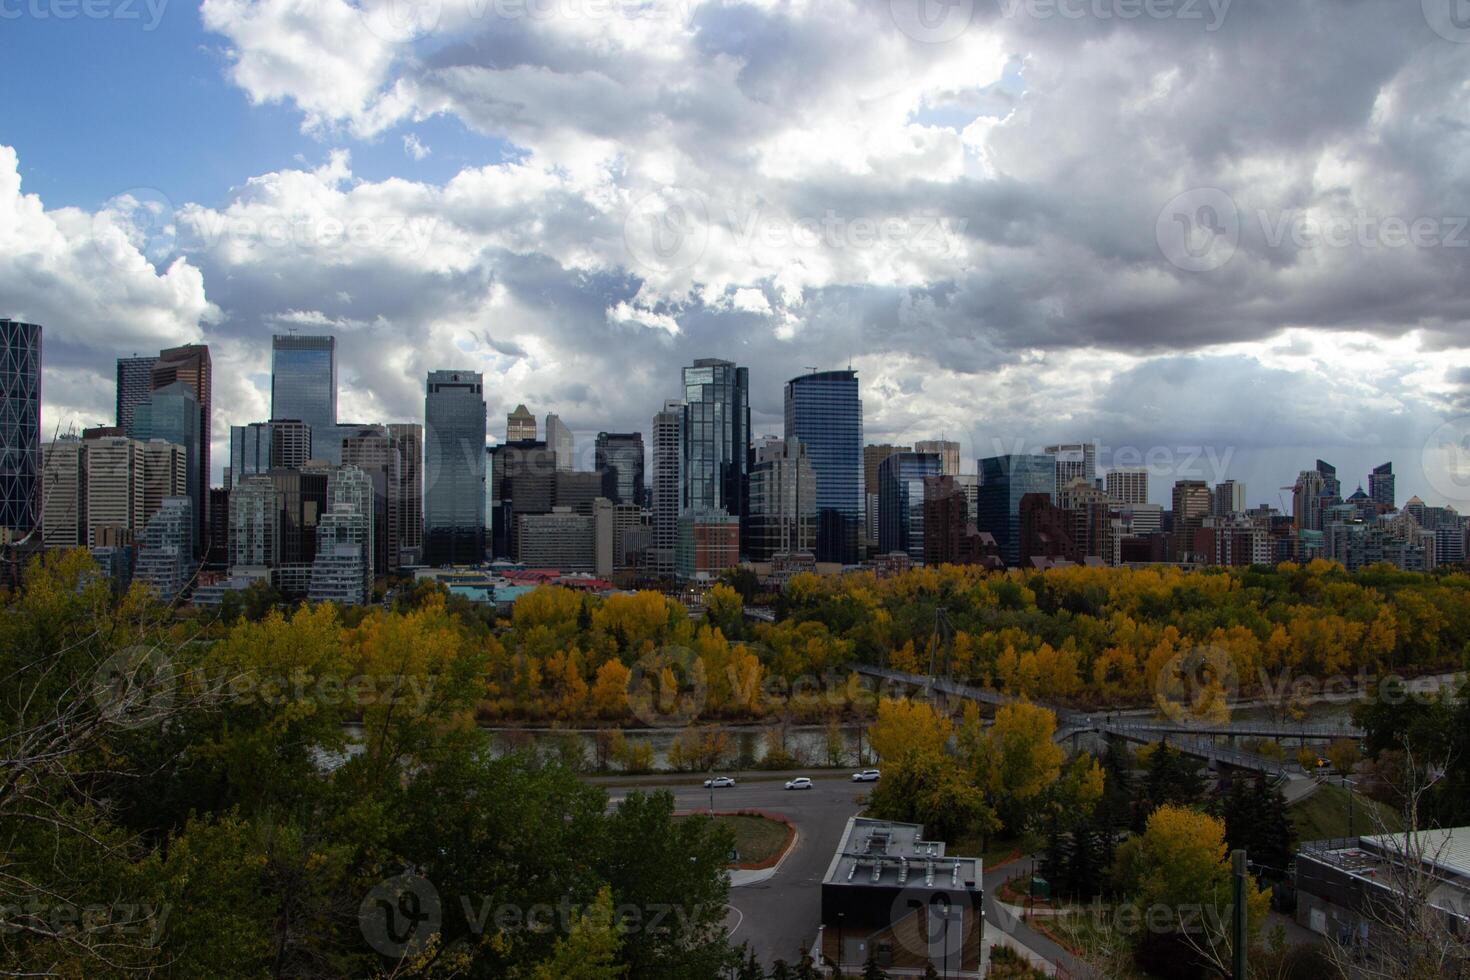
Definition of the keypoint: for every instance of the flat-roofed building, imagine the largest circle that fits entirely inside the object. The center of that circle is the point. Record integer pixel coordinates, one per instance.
(891, 896)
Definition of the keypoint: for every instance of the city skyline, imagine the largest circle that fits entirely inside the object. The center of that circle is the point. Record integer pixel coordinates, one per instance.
(1165, 464)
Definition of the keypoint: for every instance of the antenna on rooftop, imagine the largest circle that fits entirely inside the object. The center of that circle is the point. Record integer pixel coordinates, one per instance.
(811, 368)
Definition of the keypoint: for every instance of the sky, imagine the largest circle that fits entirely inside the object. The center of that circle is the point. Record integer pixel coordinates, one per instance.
(1222, 237)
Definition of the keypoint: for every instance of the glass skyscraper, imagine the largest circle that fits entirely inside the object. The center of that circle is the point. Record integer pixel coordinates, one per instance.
(716, 436)
(1004, 480)
(20, 426)
(901, 501)
(621, 454)
(823, 410)
(304, 379)
(134, 381)
(172, 414)
(454, 468)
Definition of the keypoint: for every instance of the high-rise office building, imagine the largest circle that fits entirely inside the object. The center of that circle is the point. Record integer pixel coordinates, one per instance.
(947, 450)
(250, 450)
(783, 501)
(291, 443)
(408, 437)
(63, 494)
(171, 414)
(1306, 501)
(454, 468)
(1381, 486)
(1004, 480)
(134, 382)
(1127, 484)
(668, 488)
(165, 474)
(873, 457)
(901, 501)
(114, 495)
(374, 456)
(520, 425)
(1192, 501)
(1331, 486)
(559, 441)
(621, 455)
(716, 436)
(190, 365)
(523, 478)
(304, 379)
(20, 428)
(1075, 461)
(1229, 498)
(825, 413)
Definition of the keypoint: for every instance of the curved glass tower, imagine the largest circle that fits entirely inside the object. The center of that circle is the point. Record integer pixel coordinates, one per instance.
(454, 468)
(824, 411)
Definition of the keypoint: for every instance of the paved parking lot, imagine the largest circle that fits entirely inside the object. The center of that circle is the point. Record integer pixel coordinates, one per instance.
(779, 916)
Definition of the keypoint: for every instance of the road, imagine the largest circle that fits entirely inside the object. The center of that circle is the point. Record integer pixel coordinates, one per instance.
(779, 917)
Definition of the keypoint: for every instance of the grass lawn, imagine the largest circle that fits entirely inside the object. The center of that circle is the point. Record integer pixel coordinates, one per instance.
(757, 839)
(1325, 814)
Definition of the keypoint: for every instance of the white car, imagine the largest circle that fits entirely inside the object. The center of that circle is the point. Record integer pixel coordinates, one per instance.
(719, 782)
(866, 776)
(800, 782)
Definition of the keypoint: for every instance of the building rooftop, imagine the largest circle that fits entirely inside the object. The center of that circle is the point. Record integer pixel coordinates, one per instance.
(1444, 854)
(883, 853)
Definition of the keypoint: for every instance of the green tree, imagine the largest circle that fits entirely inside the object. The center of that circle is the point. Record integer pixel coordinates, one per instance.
(590, 950)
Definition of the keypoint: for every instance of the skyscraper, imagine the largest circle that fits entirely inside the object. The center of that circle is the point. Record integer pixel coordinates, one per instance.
(825, 413)
(1192, 500)
(166, 560)
(873, 457)
(134, 381)
(559, 440)
(520, 425)
(454, 468)
(408, 437)
(1127, 484)
(1381, 485)
(901, 501)
(63, 494)
(1331, 487)
(1229, 498)
(947, 450)
(716, 436)
(783, 500)
(171, 413)
(190, 365)
(1075, 461)
(621, 454)
(20, 427)
(1004, 480)
(668, 487)
(304, 379)
(250, 450)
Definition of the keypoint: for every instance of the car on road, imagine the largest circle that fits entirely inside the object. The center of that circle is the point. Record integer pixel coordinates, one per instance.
(719, 782)
(800, 782)
(865, 776)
